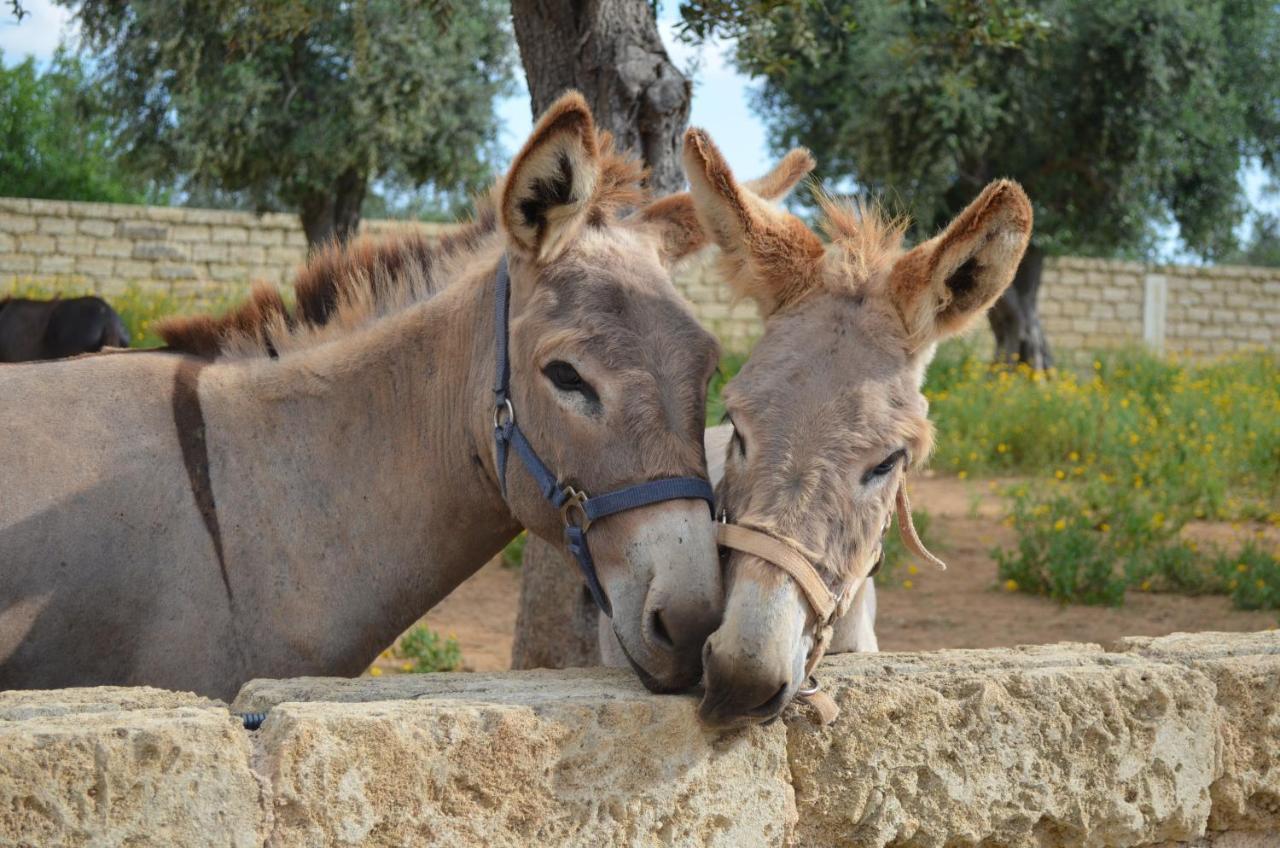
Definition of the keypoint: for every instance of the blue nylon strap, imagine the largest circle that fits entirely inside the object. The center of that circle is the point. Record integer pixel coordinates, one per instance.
(506, 432)
(643, 494)
(576, 541)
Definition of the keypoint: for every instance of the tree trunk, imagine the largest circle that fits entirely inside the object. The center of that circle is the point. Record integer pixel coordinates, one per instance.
(334, 216)
(610, 51)
(556, 625)
(1015, 321)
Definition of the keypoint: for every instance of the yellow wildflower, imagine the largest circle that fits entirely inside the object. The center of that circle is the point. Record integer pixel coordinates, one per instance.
(1073, 456)
(1060, 474)
(1011, 585)
(907, 584)
(1060, 525)
(911, 569)
(375, 672)
(962, 474)
(1241, 567)
(1105, 528)
(1146, 586)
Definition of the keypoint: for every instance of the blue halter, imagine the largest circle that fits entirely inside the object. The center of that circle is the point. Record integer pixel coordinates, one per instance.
(577, 508)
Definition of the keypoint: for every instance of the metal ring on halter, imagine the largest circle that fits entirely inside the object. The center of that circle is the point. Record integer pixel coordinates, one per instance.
(575, 500)
(810, 690)
(497, 412)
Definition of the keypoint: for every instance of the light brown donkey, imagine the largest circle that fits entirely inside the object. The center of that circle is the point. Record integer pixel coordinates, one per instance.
(290, 507)
(827, 412)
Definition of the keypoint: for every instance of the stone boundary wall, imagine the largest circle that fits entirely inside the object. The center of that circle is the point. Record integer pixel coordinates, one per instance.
(1171, 741)
(1086, 303)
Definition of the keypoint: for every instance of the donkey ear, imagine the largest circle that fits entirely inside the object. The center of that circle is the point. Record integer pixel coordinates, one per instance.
(940, 285)
(677, 223)
(768, 255)
(548, 190)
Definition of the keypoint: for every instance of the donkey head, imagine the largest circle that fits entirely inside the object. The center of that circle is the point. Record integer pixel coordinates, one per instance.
(609, 372)
(827, 411)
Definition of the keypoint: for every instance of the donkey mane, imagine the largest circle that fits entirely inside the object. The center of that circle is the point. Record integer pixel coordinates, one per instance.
(870, 239)
(344, 287)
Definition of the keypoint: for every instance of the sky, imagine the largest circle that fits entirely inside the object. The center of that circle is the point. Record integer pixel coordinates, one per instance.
(721, 96)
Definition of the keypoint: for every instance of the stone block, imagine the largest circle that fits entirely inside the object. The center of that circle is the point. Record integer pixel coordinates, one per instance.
(113, 247)
(54, 263)
(569, 758)
(142, 231)
(96, 227)
(124, 767)
(208, 252)
(55, 226)
(266, 236)
(157, 250)
(246, 254)
(17, 263)
(77, 245)
(992, 748)
(197, 233)
(96, 267)
(174, 271)
(37, 244)
(230, 235)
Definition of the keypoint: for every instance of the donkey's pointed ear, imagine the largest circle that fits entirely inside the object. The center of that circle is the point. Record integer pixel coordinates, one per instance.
(677, 223)
(940, 285)
(767, 254)
(548, 191)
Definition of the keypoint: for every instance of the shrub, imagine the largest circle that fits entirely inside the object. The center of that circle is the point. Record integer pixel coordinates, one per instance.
(1202, 432)
(896, 555)
(428, 651)
(1251, 577)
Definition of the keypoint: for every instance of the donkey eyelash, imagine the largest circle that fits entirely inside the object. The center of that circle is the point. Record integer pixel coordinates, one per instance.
(885, 467)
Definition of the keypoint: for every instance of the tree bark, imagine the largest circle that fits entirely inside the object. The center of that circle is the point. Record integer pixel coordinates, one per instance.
(610, 51)
(557, 623)
(1014, 318)
(334, 215)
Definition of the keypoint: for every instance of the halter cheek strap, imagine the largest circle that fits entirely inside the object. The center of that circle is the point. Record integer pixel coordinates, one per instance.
(789, 556)
(577, 509)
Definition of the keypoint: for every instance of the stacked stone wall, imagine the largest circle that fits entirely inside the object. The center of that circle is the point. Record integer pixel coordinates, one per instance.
(1169, 742)
(200, 253)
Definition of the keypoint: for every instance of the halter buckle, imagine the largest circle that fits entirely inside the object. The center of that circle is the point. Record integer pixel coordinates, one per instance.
(499, 419)
(575, 500)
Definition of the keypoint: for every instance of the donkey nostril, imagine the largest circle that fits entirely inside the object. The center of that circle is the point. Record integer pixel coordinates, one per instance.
(771, 706)
(658, 629)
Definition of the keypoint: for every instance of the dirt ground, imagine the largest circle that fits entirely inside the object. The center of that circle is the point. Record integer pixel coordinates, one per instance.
(962, 607)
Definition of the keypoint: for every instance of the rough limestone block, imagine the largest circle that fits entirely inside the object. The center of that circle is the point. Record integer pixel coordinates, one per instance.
(136, 767)
(980, 748)
(1245, 670)
(581, 759)
(97, 228)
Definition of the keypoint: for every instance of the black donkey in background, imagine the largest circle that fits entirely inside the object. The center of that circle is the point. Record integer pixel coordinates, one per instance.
(53, 329)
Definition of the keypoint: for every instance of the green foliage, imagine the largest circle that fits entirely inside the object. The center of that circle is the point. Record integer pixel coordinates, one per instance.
(1202, 433)
(1121, 460)
(303, 103)
(513, 553)
(1057, 556)
(896, 555)
(140, 308)
(730, 364)
(428, 651)
(1251, 577)
(1117, 117)
(56, 142)
(1263, 244)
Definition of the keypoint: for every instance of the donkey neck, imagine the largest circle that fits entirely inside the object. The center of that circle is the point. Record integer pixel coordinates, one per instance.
(363, 468)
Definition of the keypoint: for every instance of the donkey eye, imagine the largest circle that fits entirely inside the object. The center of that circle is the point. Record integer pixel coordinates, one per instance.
(567, 379)
(883, 468)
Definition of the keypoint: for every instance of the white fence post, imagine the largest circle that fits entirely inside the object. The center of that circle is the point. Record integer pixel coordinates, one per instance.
(1155, 300)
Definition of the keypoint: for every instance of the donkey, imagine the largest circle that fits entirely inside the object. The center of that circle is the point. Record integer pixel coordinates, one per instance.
(54, 329)
(291, 506)
(827, 414)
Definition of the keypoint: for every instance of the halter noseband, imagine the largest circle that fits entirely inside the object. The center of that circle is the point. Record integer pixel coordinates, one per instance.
(577, 509)
(791, 557)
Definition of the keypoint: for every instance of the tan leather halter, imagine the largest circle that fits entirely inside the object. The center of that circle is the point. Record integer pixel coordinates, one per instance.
(798, 563)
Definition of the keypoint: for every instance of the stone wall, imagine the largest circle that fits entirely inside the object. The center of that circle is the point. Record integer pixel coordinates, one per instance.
(1170, 742)
(1086, 303)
